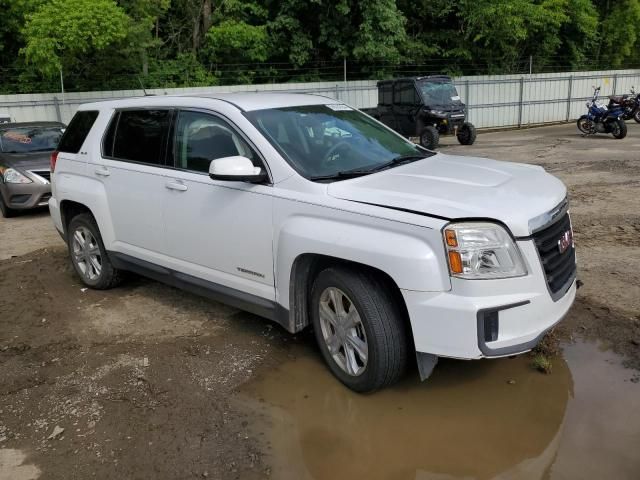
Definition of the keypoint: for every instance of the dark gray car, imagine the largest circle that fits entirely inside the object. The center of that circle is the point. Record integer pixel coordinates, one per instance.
(25, 172)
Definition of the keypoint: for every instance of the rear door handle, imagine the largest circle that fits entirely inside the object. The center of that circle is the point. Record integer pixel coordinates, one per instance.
(103, 172)
(181, 187)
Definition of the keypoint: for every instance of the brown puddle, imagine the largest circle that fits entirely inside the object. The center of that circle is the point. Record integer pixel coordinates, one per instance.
(466, 422)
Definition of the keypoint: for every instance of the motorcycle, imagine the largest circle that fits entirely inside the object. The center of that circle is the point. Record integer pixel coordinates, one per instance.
(600, 119)
(630, 103)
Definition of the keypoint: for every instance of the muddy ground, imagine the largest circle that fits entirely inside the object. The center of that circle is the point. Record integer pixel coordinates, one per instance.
(150, 382)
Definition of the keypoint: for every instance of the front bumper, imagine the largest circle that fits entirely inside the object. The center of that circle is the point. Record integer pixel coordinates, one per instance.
(487, 318)
(24, 196)
(452, 122)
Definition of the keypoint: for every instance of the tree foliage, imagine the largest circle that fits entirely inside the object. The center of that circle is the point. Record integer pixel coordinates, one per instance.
(163, 43)
(61, 32)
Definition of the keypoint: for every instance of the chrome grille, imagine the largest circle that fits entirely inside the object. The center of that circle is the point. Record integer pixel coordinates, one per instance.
(559, 266)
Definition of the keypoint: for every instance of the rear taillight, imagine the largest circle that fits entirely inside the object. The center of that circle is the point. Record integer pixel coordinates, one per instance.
(54, 159)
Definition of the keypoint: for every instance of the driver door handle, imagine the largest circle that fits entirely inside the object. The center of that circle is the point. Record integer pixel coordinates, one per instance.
(181, 187)
(103, 171)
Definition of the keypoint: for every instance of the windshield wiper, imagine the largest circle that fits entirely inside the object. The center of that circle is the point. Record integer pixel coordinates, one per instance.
(341, 175)
(358, 172)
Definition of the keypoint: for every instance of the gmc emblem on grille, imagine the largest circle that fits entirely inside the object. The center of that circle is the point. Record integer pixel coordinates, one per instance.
(566, 240)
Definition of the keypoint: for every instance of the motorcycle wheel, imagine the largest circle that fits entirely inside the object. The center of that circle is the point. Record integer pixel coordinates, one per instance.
(585, 125)
(636, 116)
(619, 129)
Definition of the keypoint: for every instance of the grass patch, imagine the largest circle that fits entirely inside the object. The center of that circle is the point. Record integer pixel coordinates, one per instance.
(548, 347)
(541, 363)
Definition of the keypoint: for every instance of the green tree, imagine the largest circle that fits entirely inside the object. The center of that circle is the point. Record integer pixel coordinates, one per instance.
(143, 28)
(64, 34)
(237, 41)
(362, 30)
(619, 31)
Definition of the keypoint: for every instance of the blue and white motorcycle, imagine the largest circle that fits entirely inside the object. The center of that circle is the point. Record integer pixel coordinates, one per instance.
(600, 119)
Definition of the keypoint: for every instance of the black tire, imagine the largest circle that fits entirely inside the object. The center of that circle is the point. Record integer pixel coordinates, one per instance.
(584, 125)
(108, 276)
(621, 131)
(429, 137)
(636, 116)
(6, 211)
(467, 134)
(382, 321)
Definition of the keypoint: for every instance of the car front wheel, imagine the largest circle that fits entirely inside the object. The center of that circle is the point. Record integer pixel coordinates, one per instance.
(359, 329)
(6, 211)
(88, 255)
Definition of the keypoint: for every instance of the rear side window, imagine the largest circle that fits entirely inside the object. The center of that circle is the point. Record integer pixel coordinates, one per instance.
(77, 131)
(385, 94)
(138, 136)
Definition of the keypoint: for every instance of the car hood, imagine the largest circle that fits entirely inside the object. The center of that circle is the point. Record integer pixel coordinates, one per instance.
(26, 161)
(455, 187)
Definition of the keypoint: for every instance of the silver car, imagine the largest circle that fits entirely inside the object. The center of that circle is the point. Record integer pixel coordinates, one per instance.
(25, 172)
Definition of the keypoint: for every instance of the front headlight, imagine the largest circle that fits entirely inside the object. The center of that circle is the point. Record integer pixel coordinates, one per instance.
(11, 175)
(482, 251)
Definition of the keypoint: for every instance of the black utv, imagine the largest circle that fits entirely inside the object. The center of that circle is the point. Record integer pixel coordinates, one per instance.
(424, 107)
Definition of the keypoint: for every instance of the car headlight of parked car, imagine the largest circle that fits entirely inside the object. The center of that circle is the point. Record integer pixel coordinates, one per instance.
(482, 251)
(11, 175)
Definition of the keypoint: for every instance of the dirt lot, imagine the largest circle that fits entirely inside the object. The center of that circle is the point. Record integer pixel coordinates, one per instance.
(150, 382)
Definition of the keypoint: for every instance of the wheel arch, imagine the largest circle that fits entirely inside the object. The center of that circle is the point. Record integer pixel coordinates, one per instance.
(70, 209)
(305, 270)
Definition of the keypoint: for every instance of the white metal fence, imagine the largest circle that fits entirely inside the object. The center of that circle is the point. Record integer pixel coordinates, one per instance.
(492, 101)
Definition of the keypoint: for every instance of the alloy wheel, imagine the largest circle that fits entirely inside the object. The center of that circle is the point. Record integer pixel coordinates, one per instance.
(86, 253)
(343, 331)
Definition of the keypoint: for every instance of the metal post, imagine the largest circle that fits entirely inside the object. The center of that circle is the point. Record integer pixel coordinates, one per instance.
(56, 104)
(520, 102)
(62, 85)
(615, 83)
(569, 93)
(466, 98)
(344, 68)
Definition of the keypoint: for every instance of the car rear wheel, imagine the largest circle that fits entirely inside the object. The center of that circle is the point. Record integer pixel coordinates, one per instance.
(6, 211)
(429, 137)
(359, 329)
(467, 134)
(88, 255)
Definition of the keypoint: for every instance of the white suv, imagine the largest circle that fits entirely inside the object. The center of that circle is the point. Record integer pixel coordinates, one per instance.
(306, 211)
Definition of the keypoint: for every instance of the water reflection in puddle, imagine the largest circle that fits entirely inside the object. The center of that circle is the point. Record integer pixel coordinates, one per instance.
(467, 422)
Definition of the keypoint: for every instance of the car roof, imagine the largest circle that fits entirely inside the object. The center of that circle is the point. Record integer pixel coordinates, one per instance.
(245, 101)
(4, 126)
(416, 79)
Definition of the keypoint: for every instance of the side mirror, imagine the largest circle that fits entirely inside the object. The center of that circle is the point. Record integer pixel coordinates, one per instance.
(236, 169)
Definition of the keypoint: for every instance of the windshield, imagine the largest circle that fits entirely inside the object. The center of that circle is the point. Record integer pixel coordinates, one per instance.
(438, 93)
(326, 140)
(30, 139)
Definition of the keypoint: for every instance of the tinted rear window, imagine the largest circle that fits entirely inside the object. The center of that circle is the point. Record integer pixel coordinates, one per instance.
(30, 139)
(140, 136)
(77, 131)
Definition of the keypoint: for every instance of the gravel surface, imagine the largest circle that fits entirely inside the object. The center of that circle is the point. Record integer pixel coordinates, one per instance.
(141, 381)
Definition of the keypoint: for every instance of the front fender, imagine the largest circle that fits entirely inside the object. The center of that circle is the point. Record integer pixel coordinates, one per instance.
(413, 256)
